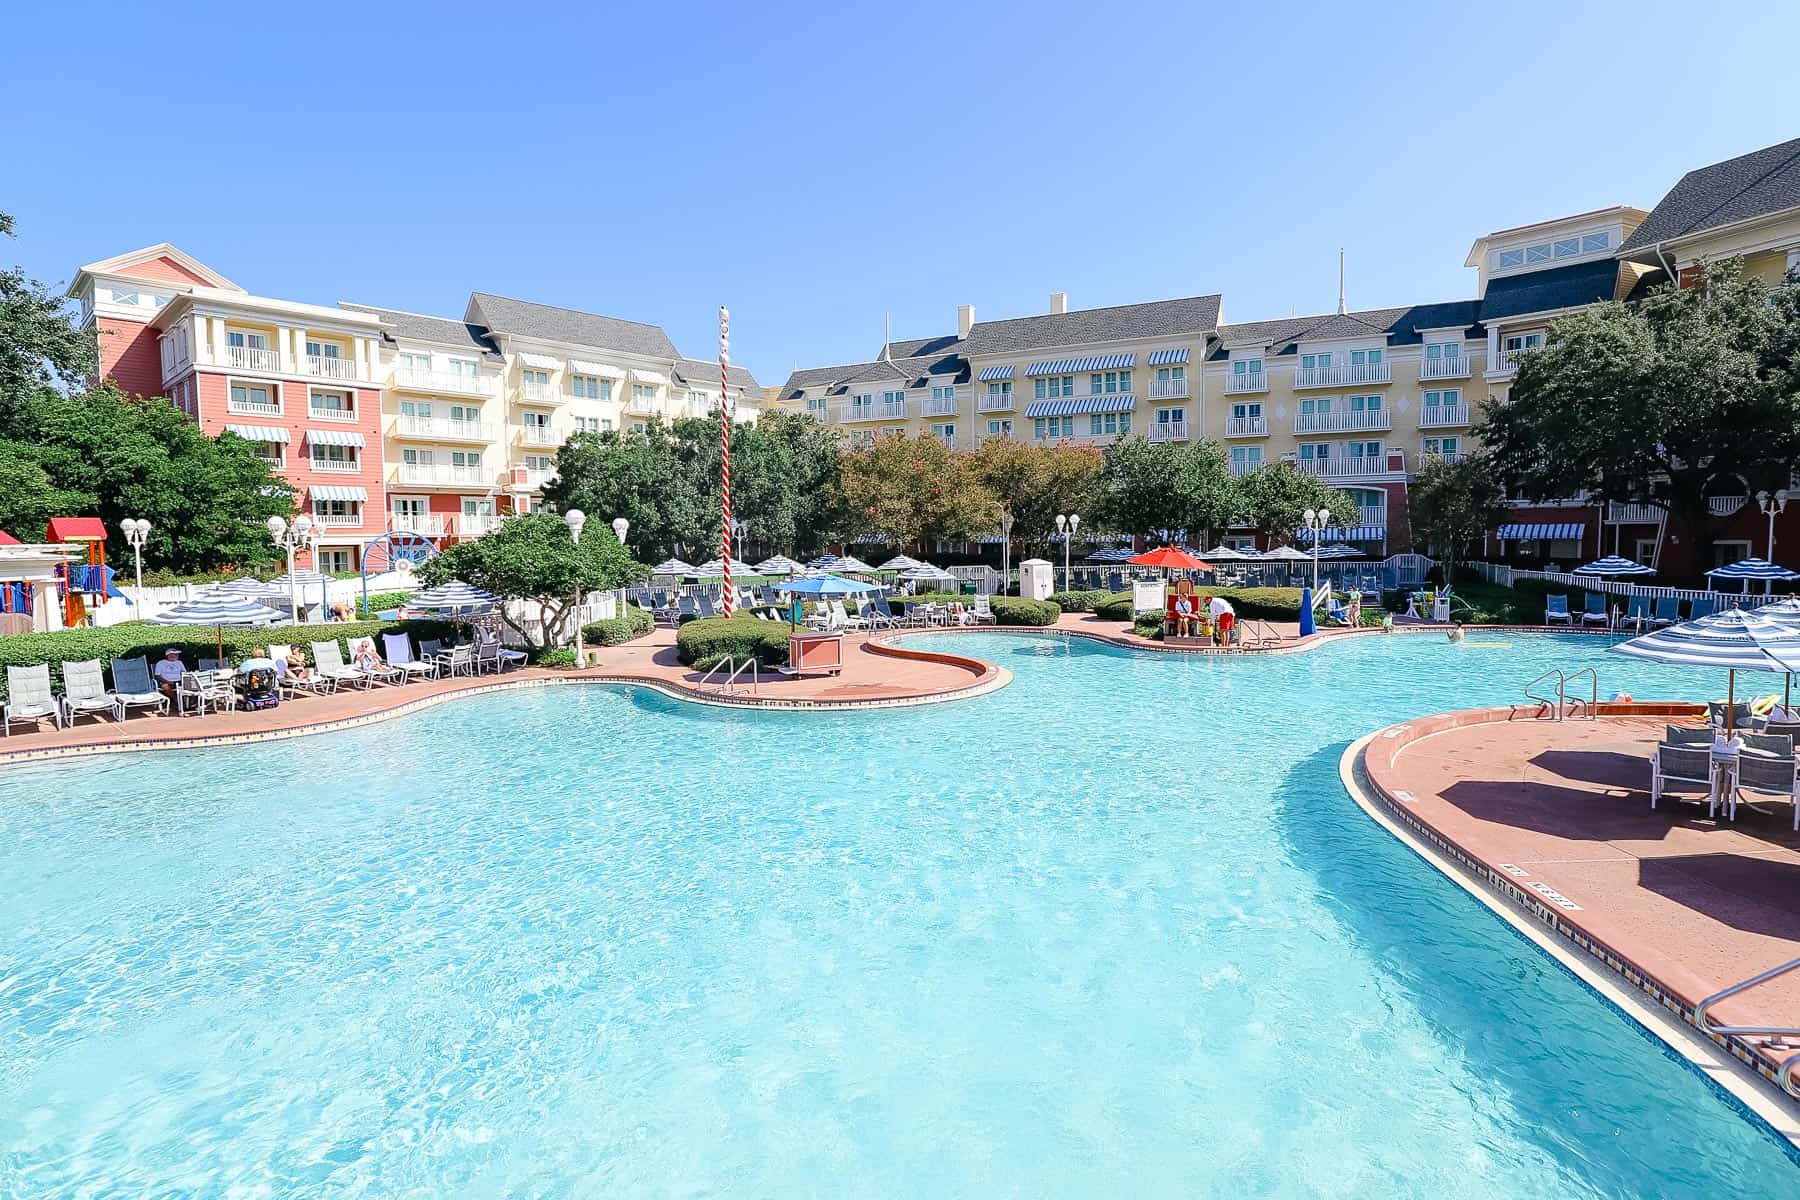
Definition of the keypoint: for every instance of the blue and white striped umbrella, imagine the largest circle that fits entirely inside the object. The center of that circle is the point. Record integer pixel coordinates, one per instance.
(1752, 568)
(715, 569)
(822, 563)
(781, 564)
(672, 566)
(301, 578)
(1613, 564)
(901, 562)
(216, 606)
(1335, 550)
(1116, 554)
(851, 564)
(246, 586)
(1737, 639)
(453, 597)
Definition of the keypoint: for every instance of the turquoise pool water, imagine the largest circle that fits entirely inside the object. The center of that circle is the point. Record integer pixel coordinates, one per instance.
(1113, 930)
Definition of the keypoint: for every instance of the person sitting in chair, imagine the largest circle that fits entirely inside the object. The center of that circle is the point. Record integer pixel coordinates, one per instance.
(169, 672)
(366, 659)
(1184, 614)
(296, 664)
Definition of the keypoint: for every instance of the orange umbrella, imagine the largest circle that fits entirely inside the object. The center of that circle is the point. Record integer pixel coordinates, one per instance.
(1170, 558)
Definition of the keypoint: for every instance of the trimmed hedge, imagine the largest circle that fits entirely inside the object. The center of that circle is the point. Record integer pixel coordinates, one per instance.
(1114, 607)
(134, 639)
(1080, 601)
(634, 624)
(1010, 610)
(709, 640)
(1148, 625)
(561, 656)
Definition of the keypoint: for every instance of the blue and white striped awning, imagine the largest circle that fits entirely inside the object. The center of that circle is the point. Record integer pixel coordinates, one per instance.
(1612, 564)
(996, 373)
(217, 607)
(1162, 358)
(1738, 639)
(1080, 404)
(259, 433)
(1069, 366)
(1344, 533)
(338, 491)
(334, 437)
(1556, 532)
(1752, 568)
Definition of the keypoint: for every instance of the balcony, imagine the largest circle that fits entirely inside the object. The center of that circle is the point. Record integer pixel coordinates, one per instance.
(1236, 427)
(331, 414)
(1243, 466)
(1443, 416)
(1249, 381)
(1454, 367)
(253, 408)
(321, 366)
(539, 435)
(1726, 506)
(540, 393)
(880, 410)
(252, 358)
(936, 406)
(424, 524)
(994, 402)
(641, 406)
(439, 428)
(1168, 431)
(1344, 375)
(476, 524)
(1363, 421)
(337, 520)
(334, 466)
(1348, 466)
(444, 475)
(440, 381)
(1168, 389)
(1633, 514)
(537, 477)
(1443, 456)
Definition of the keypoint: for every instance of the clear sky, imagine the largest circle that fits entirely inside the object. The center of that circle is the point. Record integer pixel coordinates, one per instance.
(817, 166)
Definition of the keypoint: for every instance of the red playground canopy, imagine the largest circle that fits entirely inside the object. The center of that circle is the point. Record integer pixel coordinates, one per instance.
(77, 529)
(1171, 558)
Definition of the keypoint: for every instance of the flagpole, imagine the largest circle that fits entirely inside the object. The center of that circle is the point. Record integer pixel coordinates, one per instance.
(725, 450)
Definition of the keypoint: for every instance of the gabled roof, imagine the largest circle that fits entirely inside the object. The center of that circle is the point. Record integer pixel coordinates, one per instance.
(700, 373)
(1751, 185)
(444, 331)
(1548, 291)
(501, 314)
(1402, 326)
(1189, 316)
(947, 343)
(118, 264)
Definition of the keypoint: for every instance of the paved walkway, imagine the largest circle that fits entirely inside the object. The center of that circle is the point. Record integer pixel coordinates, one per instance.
(1560, 811)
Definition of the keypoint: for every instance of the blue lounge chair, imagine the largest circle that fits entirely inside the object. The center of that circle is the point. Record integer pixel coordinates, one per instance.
(1700, 607)
(706, 605)
(1637, 612)
(1595, 613)
(1556, 608)
(1115, 582)
(685, 610)
(1666, 612)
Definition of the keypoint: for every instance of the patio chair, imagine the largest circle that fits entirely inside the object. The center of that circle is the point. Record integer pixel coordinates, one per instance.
(880, 614)
(1685, 768)
(314, 684)
(843, 620)
(381, 672)
(401, 658)
(328, 660)
(706, 605)
(1556, 608)
(984, 611)
(1637, 612)
(213, 664)
(134, 688)
(1741, 716)
(458, 660)
(1666, 612)
(1115, 582)
(1594, 613)
(1771, 775)
(29, 699)
(199, 690)
(1702, 607)
(1790, 728)
(84, 691)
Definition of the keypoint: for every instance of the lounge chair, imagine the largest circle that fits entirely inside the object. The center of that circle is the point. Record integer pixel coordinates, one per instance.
(1595, 612)
(1666, 612)
(314, 684)
(983, 611)
(1772, 775)
(29, 699)
(84, 691)
(1556, 608)
(328, 660)
(401, 658)
(706, 606)
(489, 649)
(880, 614)
(133, 686)
(1702, 607)
(1637, 612)
(1685, 768)
(843, 620)
(381, 672)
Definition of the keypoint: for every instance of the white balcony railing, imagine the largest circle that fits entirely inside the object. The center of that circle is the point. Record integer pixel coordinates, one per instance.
(330, 414)
(640, 406)
(1725, 506)
(443, 474)
(1507, 361)
(1349, 421)
(337, 520)
(424, 524)
(334, 466)
(442, 381)
(1632, 514)
(476, 524)
(1168, 431)
(1249, 381)
(1347, 465)
(539, 435)
(441, 427)
(537, 477)
(880, 410)
(541, 393)
(1246, 427)
(1243, 466)
(1168, 389)
(1444, 456)
(1454, 367)
(255, 408)
(251, 358)
(994, 402)
(1344, 375)
(936, 406)
(1443, 416)
(321, 366)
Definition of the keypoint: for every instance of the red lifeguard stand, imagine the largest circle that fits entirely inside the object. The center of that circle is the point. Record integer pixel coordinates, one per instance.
(79, 584)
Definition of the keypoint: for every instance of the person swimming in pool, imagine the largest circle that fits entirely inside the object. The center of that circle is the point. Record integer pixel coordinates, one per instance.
(1455, 632)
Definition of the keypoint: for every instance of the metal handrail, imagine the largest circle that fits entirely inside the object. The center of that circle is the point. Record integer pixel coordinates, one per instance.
(1262, 631)
(1554, 705)
(731, 679)
(1773, 1035)
(1593, 699)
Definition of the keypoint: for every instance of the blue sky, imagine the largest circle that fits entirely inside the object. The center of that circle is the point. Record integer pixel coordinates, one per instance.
(817, 166)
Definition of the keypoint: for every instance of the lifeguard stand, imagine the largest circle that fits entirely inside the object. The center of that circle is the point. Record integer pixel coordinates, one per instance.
(83, 585)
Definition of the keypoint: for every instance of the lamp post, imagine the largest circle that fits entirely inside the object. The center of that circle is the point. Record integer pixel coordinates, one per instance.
(739, 531)
(291, 538)
(137, 532)
(1316, 524)
(1772, 506)
(575, 519)
(1006, 526)
(620, 525)
(1072, 522)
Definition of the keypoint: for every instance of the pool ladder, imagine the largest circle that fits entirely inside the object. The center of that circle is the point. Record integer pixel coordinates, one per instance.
(1557, 708)
(1774, 1037)
(732, 677)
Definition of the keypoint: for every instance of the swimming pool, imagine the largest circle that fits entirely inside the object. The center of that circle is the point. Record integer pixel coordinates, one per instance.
(1115, 927)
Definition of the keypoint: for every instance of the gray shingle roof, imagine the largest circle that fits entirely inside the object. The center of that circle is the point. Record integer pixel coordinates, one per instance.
(704, 374)
(1156, 318)
(446, 331)
(504, 315)
(1546, 291)
(1752, 185)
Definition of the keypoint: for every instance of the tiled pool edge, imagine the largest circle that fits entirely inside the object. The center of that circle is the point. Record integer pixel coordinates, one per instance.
(1726, 1062)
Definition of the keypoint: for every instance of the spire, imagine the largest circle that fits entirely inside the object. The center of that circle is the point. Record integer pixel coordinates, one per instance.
(887, 338)
(1340, 281)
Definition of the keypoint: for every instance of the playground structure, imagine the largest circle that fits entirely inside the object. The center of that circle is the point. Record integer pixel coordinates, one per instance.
(395, 551)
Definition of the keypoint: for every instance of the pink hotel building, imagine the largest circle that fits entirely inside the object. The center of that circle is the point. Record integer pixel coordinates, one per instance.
(386, 420)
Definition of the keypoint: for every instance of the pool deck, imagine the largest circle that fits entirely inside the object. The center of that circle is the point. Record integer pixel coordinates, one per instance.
(1552, 819)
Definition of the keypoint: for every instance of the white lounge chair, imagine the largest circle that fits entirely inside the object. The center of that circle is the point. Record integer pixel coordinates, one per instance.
(843, 620)
(314, 684)
(381, 672)
(984, 611)
(29, 699)
(400, 657)
(134, 688)
(489, 653)
(328, 660)
(84, 691)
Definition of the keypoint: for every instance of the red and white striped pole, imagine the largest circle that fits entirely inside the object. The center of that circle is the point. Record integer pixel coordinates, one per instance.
(725, 450)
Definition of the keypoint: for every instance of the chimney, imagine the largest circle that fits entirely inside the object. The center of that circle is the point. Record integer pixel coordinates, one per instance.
(1059, 303)
(965, 317)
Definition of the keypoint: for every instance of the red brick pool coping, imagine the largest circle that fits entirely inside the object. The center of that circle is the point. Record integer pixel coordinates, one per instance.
(1548, 823)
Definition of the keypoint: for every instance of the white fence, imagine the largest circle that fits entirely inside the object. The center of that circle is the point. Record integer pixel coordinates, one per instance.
(1506, 576)
(153, 600)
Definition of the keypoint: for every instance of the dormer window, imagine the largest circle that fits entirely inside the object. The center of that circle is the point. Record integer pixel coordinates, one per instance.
(1543, 252)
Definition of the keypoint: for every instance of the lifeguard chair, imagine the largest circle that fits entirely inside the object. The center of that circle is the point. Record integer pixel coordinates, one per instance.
(83, 586)
(1199, 622)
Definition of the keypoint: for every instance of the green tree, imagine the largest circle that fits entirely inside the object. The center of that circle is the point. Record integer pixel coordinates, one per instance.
(1273, 497)
(1036, 482)
(29, 497)
(647, 475)
(1452, 504)
(1208, 493)
(1654, 401)
(40, 347)
(532, 557)
(784, 472)
(914, 491)
(1140, 487)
